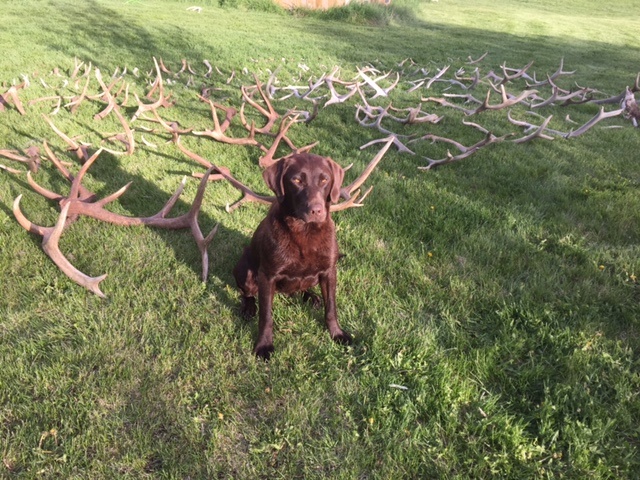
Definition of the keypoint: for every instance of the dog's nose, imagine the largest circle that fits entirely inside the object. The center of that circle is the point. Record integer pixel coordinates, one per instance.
(316, 209)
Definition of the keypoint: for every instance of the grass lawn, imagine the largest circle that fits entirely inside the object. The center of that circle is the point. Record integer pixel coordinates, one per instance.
(494, 301)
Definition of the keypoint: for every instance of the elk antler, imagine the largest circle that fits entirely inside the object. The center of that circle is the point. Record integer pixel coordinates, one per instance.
(218, 132)
(269, 112)
(506, 101)
(32, 160)
(50, 237)
(601, 115)
(466, 151)
(351, 192)
(162, 100)
(518, 72)
(79, 149)
(12, 95)
(551, 77)
(82, 202)
(477, 60)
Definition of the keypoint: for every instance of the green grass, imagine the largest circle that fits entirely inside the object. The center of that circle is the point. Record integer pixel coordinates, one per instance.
(501, 291)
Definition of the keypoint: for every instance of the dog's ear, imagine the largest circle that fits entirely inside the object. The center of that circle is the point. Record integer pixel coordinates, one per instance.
(273, 176)
(338, 175)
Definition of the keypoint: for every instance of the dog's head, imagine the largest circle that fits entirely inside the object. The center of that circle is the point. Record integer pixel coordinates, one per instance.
(306, 185)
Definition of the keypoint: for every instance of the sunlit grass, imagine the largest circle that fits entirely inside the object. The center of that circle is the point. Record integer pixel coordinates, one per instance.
(494, 301)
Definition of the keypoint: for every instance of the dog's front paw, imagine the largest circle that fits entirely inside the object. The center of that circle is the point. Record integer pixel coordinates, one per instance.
(264, 351)
(343, 338)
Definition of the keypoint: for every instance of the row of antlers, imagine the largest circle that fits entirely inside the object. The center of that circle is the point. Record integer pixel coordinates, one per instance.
(82, 202)
(330, 89)
(272, 133)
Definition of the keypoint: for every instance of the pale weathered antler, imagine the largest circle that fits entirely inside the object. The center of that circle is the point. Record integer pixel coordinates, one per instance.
(601, 115)
(551, 77)
(477, 60)
(351, 192)
(489, 139)
(506, 101)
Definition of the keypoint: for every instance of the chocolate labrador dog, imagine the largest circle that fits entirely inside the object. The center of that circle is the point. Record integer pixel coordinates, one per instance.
(294, 248)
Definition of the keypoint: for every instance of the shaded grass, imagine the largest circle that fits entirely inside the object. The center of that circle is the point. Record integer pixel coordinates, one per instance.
(500, 291)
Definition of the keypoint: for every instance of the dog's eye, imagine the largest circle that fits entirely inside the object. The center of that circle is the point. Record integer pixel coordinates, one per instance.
(297, 181)
(323, 181)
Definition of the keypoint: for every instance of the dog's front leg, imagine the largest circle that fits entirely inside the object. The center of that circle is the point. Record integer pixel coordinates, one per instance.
(266, 290)
(328, 286)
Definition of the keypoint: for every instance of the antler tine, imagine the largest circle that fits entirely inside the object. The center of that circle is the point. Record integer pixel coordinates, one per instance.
(477, 60)
(218, 132)
(506, 102)
(351, 192)
(32, 160)
(351, 202)
(80, 150)
(74, 194)
(269, 112)
(50, 245)
(347, 191)
(436, 138)
(12, 93)
(130, 142)
(224, 173)
(248, 195)
(171, 127)
(84, 194)
(202, 241)
(601, 115)
(48, 194)
(162, 100)
(267, 159)
(77, 100)
(24, 221)
(488, 140)
(519, 73)
(538, 133)
(551, 77)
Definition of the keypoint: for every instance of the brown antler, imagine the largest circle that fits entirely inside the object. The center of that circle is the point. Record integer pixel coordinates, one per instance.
(162, 100)
(218, 132)
(50, 237)
(12, 95)
(32, 160)
(82, 202)
(269, 112)
(630, 107)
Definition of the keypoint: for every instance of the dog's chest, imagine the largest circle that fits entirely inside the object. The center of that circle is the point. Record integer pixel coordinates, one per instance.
(304, 263)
